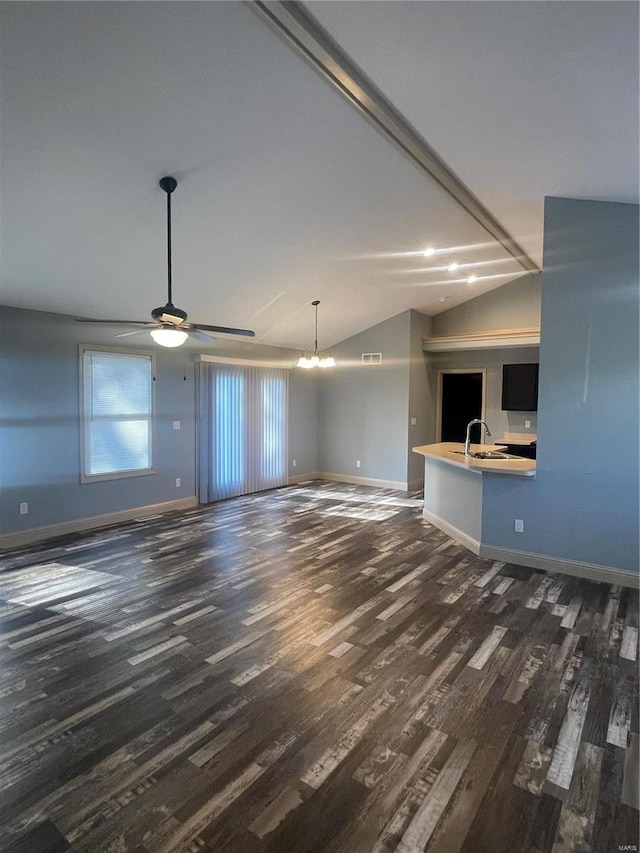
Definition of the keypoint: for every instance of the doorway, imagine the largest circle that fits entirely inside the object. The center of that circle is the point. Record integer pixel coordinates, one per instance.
(461, 397)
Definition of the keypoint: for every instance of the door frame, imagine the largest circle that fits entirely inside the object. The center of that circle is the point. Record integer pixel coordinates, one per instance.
(483, 409)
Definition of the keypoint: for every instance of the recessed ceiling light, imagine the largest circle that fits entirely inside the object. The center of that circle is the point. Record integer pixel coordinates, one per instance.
(472, 278)
(429, 252)
(444, 298)
(453, 267)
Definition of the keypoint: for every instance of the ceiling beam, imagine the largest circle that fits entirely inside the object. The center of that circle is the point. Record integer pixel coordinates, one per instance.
(301, 31)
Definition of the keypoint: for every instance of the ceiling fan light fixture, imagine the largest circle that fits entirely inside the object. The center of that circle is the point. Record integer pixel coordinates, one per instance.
(169, 337)
(315, 357)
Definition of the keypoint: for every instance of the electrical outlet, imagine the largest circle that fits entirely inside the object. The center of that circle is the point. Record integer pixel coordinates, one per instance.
(414, 421)
(527, 424)
(294, 463)
(519, 525)
(357, 463)
(24, 508)
(176, 424)
(178, 482)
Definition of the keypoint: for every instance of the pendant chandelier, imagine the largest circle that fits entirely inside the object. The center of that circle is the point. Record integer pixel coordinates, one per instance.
(316, 357)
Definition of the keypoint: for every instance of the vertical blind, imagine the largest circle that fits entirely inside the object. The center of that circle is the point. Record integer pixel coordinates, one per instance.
(242, 429)
(118, 411)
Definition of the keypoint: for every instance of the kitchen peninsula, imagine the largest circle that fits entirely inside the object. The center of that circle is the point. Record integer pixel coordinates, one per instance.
(453, 487)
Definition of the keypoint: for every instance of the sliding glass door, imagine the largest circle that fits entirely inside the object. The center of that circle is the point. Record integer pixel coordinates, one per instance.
(242, 429)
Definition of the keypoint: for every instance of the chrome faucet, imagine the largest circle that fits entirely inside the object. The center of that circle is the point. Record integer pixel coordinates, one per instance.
(467, 442)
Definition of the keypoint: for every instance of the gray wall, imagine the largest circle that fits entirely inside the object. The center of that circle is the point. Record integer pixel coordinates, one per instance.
(421, 395)
(303, 422)
(513, 306)
(363, 411)
(40, 431)
(492, 360)
(583, 503)
(455, 494)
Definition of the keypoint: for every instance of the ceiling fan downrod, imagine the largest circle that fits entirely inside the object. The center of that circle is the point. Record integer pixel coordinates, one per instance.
(168, 184)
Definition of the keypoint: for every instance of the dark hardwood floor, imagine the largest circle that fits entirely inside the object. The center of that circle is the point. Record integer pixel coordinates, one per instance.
(311, 669)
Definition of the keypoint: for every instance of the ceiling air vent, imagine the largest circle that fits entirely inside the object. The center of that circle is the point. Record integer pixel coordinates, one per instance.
(372, 358)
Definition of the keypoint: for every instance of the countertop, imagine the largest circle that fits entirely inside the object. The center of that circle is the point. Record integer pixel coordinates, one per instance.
(524, 438)
(446, 452)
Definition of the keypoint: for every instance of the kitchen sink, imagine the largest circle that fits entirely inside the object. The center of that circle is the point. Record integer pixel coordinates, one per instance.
(487, 454)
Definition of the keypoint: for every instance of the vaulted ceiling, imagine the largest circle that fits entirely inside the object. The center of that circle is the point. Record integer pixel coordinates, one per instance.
(285, 193)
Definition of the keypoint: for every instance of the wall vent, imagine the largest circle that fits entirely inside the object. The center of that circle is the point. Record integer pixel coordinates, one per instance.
(372, 358)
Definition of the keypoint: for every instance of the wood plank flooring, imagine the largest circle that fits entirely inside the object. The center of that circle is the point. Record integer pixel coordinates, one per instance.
(311, 670)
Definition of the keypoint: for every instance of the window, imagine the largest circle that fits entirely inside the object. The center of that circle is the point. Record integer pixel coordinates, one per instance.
(116, 400)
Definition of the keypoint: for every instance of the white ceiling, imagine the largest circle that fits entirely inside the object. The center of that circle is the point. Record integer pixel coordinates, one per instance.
(521, 99)
(285, 193)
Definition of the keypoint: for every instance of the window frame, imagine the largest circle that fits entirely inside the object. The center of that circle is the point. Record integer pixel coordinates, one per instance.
(115, 475)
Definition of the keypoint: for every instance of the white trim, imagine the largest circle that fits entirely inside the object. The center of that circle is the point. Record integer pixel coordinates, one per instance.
(483, 340)
(590, 571)
(51, 531)
(454, 532)
(356, 481)
(364, 481)
(244, 362)
(412, 486)
(294, 479)
(483, 406)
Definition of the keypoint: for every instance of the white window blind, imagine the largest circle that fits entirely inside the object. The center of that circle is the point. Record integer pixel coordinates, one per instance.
(117, 403)
(242, 430)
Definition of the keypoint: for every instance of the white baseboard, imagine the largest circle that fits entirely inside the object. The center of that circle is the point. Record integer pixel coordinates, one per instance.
(357, 481)
(454, 532)
(364, 481)
(590, 571)
(302, 478)
(51, 531)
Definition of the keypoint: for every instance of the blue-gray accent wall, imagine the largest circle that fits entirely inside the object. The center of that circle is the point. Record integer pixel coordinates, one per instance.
(40, 426)
(365, 410)
(583, 504)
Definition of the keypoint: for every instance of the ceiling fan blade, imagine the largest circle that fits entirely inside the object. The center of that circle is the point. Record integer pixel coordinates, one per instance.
(205, 337)
(115, 322)
(223, 329)
(136, 331)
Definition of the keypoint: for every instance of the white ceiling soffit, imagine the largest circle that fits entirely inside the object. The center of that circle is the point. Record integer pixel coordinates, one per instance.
(284, 193)
(522, 99)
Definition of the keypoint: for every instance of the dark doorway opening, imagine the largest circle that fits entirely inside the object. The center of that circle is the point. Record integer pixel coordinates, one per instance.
(461, 402)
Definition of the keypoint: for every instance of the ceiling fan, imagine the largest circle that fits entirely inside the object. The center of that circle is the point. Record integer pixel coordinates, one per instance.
(169, 327)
